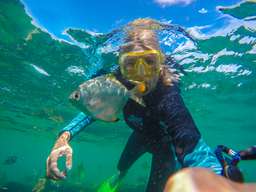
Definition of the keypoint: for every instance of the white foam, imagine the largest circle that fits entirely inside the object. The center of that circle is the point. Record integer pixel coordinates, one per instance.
(193, 85)
(163, 20)
(203, 11)
(75, 70)
(108, 49)
(196, 32)
(201, 69)
(244, 72)
(36, 23)
(168, 40)
(239, 84)
(231, 68)
(74, 41)
(253, 50)
(195, 55)
(231, 6)
(202, 85)
(234, 37)
(40, 70)
(201, 56)
(236, 6)
(187, 61)
(250, 18)
(165, 3)
(224, 52)
(179, 57)
(188, 45)
(232, 25)
(247, 40)
(205, 85)
(93, 33)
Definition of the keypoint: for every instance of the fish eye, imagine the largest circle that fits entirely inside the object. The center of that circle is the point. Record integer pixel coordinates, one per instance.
(77, 95)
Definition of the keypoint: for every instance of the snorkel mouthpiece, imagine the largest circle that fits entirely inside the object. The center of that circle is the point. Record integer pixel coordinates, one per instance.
(141, 87)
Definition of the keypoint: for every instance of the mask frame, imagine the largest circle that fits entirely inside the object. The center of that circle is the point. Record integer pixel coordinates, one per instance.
(141, 65)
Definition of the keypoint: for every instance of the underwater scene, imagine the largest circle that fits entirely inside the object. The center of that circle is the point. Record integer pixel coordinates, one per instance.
(40, 68)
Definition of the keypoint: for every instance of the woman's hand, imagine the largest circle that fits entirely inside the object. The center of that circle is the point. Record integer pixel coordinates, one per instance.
(60, 148)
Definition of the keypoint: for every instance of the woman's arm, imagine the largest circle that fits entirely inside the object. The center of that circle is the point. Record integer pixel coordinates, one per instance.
(179, 122)
(77, 124)
(190, 148)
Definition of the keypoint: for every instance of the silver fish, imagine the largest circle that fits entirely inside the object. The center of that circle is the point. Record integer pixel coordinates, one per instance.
(103, 97)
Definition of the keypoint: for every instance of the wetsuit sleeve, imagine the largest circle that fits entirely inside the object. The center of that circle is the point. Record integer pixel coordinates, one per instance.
(77, 124)
(180, 124)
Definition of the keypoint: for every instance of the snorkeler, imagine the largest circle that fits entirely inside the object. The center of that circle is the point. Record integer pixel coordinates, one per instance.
(163, 128)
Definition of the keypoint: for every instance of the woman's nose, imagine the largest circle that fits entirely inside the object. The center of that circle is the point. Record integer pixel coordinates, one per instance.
(141, 68)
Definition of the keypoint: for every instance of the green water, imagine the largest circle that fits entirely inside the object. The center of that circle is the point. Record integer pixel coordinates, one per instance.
(38, 72)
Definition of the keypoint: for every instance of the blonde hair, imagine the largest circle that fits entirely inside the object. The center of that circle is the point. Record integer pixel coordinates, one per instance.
(140, 36)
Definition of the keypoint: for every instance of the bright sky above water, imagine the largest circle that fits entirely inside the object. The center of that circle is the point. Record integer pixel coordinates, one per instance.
(102, 16)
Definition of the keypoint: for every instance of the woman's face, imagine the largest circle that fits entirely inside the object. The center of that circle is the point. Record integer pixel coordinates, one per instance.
(141, 67)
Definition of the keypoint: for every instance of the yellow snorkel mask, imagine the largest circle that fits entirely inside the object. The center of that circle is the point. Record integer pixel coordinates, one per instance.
(142, 68)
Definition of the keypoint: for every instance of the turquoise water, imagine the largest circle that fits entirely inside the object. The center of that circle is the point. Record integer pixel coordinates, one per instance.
(39, 71)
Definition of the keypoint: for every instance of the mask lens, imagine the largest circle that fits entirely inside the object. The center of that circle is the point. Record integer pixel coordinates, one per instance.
(140, 66)
(129, 62)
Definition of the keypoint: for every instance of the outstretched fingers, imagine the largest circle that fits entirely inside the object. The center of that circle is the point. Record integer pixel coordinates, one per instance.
(48, 170)
(68, 153)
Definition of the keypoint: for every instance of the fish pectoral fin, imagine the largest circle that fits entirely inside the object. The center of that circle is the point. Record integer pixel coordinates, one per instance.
(114, 119)
(108, 119)
(138, 100)
(117, 119)
(134, 96)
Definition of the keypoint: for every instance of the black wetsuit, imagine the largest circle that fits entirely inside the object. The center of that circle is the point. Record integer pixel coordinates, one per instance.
(163, 125)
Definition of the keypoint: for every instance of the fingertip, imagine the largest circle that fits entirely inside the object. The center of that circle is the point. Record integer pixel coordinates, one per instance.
(69, 167)
(59, 176)
(64, 175)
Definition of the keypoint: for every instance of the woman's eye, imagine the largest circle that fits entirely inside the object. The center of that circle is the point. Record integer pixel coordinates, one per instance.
(129, 63)
(150, 61)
